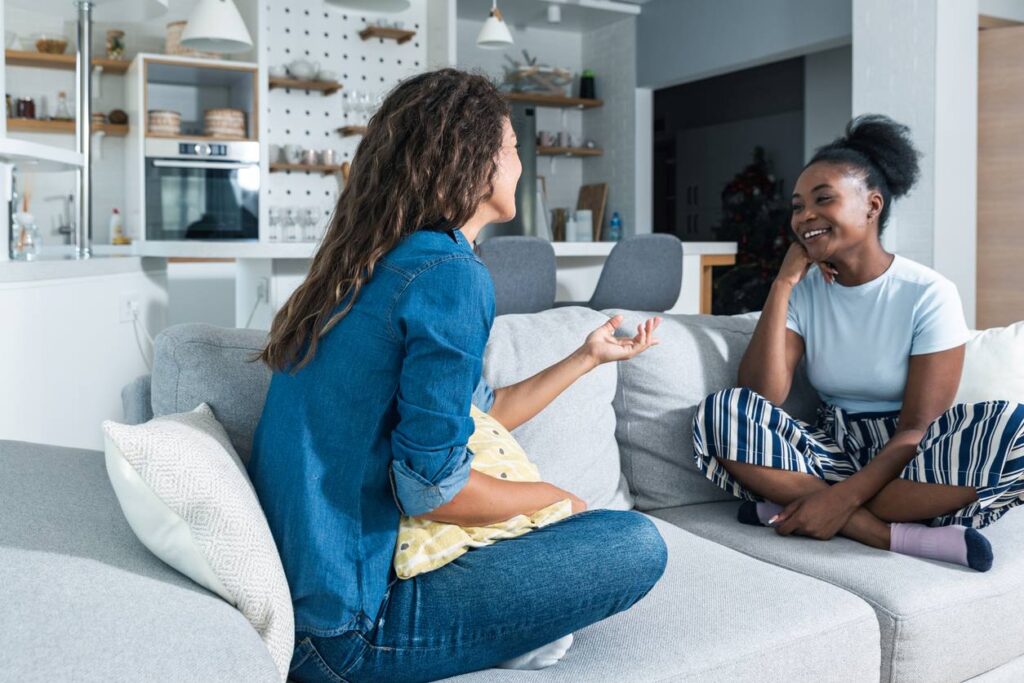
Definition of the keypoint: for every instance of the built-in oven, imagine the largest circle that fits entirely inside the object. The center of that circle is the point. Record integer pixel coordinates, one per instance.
(202, 190)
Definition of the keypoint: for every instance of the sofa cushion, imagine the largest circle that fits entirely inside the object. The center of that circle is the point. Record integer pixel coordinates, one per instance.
(188, 498)
(939, 622)
(657, 398)
(717, 615)
(199, 363)
(572, 441)
(84, 600)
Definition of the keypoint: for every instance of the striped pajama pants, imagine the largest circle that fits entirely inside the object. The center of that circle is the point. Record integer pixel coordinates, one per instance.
(980, 445)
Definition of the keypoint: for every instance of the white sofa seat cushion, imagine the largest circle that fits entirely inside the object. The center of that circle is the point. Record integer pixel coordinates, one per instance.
(187, 497)
(572, 441)
(939, 622)
(717, 615)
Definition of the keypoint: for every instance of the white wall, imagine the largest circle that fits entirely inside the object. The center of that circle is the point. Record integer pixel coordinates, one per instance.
(828, 106)
(916, 61)
(563, 176)
(686, 40)
(610, 52)
(69, 355)
(1003, 9)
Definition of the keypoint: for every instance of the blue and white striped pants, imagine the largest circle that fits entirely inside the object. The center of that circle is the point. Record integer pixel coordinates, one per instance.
(980, 445)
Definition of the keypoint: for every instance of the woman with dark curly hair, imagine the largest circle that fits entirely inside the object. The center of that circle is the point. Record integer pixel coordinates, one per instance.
(377, 358)
(891, 462)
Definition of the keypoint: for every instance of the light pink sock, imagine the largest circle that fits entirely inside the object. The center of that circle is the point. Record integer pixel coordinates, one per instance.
(955, 544)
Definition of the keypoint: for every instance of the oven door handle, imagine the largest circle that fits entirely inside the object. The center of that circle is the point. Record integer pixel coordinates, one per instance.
(221, 165)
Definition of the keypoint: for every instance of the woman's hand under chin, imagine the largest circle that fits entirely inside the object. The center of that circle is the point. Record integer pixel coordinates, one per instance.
(602, 346)
(796, 264)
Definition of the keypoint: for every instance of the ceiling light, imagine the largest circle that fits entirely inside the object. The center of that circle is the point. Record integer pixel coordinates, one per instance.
(383, 6)
(495, 34)
(554, 14)
(216, 26)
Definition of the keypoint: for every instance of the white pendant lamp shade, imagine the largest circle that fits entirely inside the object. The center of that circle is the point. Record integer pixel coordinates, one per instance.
(382, 6)
(495, 34)
(216, 26)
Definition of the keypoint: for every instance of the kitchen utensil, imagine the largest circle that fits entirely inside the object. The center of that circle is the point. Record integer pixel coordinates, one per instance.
(292, 154)
(50, 43)
(328, 157)
(224, 123)
(327, 75)
(163, 122)
(302, 69)
(275, 154)
(278, 71)
(309, 157)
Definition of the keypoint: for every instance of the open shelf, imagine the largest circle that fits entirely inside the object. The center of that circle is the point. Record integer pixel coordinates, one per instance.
(352, 130)
(569, 151)
(44, 126)
(50, 61)
(545, 100)
(189, 136)
(327, 87)
(396, 34)
(326, 169)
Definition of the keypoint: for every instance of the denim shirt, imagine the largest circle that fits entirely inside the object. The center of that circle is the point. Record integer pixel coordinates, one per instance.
(375, 426)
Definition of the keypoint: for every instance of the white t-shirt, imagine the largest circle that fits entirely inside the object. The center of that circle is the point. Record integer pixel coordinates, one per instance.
(859, 340)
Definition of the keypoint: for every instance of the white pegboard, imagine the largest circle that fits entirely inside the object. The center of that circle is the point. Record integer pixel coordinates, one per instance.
(308, 29)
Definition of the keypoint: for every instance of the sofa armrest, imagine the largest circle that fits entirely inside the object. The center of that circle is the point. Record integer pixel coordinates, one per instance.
(136, 400)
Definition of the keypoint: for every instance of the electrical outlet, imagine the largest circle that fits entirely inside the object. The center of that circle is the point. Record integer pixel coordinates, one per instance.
(128, 307)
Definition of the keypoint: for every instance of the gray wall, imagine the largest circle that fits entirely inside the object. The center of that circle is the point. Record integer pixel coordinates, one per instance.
(684, 40)
(828, 96)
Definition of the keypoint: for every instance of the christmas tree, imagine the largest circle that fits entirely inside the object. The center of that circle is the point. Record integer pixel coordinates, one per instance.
(756, 217)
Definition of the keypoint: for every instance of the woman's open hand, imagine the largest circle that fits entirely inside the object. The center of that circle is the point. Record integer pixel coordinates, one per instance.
(602, 346)
(796, 264)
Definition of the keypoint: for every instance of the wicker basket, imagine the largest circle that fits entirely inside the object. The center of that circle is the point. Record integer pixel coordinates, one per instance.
(224, 123)
(173, 46)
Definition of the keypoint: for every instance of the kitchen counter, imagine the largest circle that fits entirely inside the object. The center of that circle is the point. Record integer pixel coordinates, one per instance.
(61, 268)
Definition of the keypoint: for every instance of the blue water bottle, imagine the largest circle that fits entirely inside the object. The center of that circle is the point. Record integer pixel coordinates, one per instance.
(615, 228)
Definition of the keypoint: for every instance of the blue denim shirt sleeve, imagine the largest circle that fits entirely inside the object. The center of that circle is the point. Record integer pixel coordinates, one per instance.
(483, 396)
(443, 317)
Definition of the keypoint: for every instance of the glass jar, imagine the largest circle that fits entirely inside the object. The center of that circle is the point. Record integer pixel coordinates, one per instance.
(27, 243)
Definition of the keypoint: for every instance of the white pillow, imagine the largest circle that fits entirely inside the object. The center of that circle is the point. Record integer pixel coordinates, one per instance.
(187, 497)
(994, 366)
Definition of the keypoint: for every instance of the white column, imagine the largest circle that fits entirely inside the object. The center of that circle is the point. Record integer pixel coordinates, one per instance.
(916, 61)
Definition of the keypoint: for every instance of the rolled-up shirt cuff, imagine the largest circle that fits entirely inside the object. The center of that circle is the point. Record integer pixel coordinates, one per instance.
(417, 495)
(483, 396)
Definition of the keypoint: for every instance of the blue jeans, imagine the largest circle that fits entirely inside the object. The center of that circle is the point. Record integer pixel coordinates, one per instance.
(495, 603)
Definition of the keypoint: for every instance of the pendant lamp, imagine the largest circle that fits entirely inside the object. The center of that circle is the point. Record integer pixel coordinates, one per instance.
(382, 6)
(216, 26)
(495, 34)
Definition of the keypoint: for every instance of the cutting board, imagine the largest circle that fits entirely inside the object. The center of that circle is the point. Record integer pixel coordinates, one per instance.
(594, 197)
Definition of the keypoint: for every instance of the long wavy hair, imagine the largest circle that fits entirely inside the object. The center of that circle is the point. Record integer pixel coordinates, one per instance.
(428, 158)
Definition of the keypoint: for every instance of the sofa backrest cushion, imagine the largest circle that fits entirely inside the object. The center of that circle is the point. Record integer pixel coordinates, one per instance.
(199, 363)
(572, 441)
(657, 397)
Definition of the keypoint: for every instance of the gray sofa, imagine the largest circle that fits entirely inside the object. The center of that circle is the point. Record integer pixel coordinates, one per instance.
(84, 600)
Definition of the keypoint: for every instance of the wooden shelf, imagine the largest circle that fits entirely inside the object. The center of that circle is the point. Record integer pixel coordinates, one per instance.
(328, 87)
(189, 136)
(544, 100)
(44, 126)
(569, 151)
(326, 169)
(396, 34)
(49, 61)
(352, 130)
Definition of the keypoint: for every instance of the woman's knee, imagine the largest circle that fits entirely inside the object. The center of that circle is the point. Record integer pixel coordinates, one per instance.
(641, 553)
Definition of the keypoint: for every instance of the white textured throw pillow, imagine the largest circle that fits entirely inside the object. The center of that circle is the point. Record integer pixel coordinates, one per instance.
(187, 497)
(994, 366)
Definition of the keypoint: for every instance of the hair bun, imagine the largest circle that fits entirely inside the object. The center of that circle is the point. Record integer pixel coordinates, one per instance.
(888, 146)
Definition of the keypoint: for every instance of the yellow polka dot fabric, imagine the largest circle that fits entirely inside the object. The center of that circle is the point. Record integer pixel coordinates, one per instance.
(424, 546)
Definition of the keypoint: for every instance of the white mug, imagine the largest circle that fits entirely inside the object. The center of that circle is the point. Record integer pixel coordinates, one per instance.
(303, 69)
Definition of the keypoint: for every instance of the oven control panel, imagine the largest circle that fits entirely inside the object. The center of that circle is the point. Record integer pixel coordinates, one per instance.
(202, 149)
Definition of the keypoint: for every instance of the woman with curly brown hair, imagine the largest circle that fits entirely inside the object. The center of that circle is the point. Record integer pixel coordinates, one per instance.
(376, 357)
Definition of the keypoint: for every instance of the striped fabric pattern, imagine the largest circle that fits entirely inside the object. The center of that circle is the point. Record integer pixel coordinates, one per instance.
(977, 444)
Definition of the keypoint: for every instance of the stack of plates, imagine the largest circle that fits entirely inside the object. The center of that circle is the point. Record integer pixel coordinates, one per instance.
(224, 123)
(163, 122)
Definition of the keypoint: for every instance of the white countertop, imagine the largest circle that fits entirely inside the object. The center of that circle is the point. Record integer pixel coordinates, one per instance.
(58, 268)
(305, 250)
